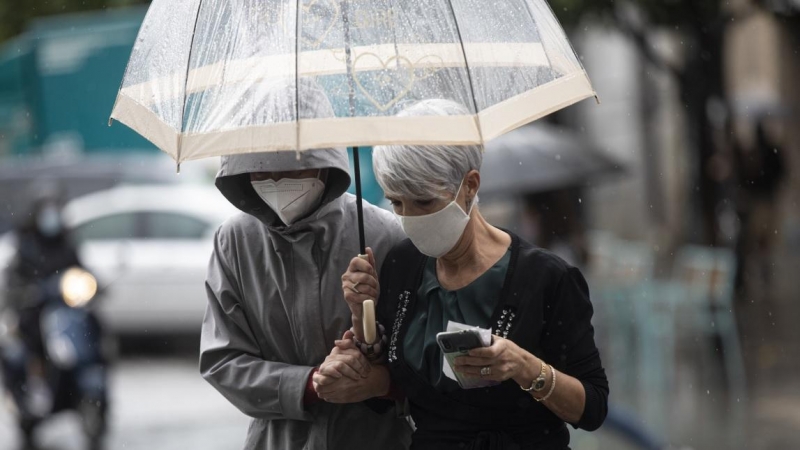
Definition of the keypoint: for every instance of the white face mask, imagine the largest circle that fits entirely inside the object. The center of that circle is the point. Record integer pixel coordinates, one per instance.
(290, 199)
(436, 234)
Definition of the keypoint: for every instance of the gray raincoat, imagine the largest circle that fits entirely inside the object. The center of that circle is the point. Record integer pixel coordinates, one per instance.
(275, 307)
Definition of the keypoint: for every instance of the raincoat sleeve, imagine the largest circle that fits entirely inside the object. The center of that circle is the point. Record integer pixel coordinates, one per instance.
(231, 360)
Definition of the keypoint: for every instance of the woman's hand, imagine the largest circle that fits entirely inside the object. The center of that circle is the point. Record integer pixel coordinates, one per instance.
(360, 283)
(346, 390)
(505, 360)
(349, 389)
(345, 361)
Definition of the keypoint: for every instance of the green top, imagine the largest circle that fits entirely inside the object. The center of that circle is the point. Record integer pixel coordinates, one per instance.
(473, 304)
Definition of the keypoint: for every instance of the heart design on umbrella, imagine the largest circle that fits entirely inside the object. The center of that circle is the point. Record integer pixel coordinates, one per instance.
(431, 69)
(385, 77)
(333, 18)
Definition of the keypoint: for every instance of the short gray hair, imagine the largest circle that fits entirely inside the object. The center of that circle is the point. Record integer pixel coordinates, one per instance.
(423, 172)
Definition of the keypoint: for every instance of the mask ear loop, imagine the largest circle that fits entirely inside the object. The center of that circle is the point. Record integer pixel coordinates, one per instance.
(324, 191)
(470, 203)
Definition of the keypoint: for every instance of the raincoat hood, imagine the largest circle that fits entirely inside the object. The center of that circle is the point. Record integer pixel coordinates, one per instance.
(233, 180)
(281, 103)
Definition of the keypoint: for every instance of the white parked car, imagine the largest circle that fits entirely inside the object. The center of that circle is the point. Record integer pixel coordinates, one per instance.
(149, 247)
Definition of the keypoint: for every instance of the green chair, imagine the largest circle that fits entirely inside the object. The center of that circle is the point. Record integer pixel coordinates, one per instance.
(705, 276)
(620, 275)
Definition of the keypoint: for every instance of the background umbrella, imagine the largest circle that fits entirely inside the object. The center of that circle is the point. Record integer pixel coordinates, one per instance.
(201, 71)
(541, 157)
(759, 108)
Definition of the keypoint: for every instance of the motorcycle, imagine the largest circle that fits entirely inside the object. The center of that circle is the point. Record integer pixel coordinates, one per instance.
(71, 374)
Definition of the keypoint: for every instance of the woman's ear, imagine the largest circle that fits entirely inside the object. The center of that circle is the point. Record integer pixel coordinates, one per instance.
(473, 182)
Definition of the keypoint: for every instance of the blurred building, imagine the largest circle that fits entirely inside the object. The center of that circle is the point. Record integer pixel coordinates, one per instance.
(58, 82)
(642, 122)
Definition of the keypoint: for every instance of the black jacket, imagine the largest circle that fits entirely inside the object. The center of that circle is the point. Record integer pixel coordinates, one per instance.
(544, 307)
(37, 259)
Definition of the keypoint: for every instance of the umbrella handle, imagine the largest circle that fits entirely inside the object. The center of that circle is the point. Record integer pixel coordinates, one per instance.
(368, 317)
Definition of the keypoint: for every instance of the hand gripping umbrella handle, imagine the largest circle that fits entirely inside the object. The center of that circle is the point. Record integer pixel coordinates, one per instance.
(368, 317)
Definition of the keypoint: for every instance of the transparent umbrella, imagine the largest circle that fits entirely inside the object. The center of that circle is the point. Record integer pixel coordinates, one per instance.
(202, 75)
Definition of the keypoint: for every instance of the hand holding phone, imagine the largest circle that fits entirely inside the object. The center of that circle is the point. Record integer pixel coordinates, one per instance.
(458, 343)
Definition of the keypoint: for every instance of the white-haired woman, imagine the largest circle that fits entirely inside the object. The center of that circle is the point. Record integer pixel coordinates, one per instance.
(458, 267)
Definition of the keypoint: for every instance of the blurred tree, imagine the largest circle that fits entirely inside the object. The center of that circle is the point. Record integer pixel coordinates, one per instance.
(701, 25)
(15, 15)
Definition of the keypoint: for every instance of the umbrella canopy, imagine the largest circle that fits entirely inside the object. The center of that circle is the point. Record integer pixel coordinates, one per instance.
(541, 157)
(202, 74)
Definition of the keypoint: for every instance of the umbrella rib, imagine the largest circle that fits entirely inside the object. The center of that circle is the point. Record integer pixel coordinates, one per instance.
(186, 83)
(539, 31)
(297, 76)
(469, 72)
(127, 70)
(563, 34)
(393, 15)
(356, 155)
(349, 57)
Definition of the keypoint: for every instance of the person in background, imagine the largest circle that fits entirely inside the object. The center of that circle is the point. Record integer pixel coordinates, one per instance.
(275, 305)
(761, 173)
(43, 248)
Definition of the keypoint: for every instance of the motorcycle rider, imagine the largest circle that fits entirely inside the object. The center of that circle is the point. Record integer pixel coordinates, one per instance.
(43, 249)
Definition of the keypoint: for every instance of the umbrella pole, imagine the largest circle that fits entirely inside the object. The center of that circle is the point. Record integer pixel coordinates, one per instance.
(368, 314)
(352, 102)
(369, 328)
(359, 206)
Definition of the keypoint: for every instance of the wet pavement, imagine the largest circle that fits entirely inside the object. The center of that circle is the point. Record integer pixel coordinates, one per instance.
(163, 404)
(158, 404)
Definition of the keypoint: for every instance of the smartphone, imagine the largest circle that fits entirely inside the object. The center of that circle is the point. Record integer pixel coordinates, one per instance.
(459, 343)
